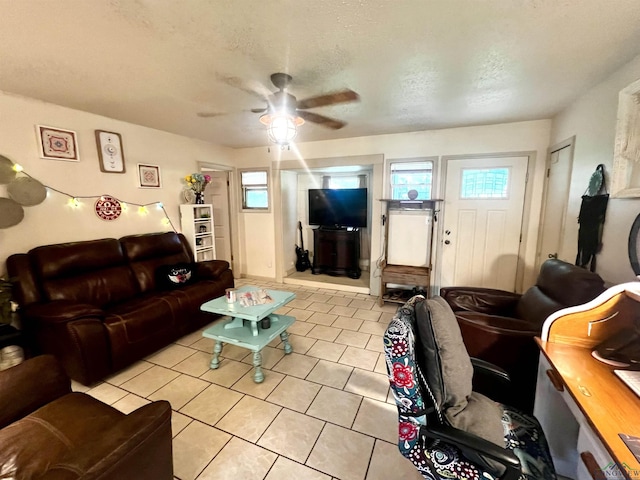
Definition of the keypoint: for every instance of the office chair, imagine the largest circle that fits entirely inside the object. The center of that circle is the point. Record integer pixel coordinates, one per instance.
(447, 430)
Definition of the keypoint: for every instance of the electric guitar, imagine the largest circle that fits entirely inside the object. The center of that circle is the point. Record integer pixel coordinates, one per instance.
(302, 255)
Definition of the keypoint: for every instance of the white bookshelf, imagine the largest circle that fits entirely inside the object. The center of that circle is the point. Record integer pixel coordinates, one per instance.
(197, 226)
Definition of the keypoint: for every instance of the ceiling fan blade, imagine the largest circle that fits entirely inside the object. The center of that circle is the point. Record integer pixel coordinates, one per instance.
(259, 110)
(322, 120)
(253, 88)
(329, 99)
(210, 114)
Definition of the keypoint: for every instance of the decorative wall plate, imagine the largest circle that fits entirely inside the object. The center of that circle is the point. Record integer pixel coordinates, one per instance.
(595, 183)
(108, 208)
(11, 213)
(27, 191)
(7, 173)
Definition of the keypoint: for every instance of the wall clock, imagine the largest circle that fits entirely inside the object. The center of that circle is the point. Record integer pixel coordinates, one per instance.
(110, 152)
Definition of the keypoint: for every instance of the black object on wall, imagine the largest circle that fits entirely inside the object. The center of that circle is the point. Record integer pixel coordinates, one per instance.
(591, 219)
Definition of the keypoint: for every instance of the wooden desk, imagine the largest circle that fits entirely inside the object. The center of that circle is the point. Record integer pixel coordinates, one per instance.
(608, 405)
(601, 405)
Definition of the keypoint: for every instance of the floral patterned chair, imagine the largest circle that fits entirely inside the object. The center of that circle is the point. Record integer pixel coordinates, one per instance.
(447, 430)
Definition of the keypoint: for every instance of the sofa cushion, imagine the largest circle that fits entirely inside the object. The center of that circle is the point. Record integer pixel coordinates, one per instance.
(93, 272)
(149, 251)
(568, 284)
(175, 276)
(448, 370)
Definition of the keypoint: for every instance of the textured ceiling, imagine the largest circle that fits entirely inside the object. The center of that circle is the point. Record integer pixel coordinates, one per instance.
(417, 64)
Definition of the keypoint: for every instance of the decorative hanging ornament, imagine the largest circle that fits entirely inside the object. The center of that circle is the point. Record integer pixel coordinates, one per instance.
(11, 213)
(27, 191)
(108, 208)
(7, 173)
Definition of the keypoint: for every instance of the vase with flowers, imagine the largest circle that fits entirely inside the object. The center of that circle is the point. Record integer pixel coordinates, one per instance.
(197, 183)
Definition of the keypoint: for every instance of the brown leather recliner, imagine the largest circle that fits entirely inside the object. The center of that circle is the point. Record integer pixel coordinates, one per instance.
(48, 432)
(500, 326)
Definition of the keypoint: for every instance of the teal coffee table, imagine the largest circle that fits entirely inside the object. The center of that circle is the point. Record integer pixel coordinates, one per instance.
(243, 329)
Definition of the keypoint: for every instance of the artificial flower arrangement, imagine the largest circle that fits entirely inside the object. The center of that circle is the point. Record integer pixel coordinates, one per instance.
(197, 181)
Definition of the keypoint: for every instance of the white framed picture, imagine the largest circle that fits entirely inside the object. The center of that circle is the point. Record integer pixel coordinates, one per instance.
(149, 176)
(57, 144)
(626, 155)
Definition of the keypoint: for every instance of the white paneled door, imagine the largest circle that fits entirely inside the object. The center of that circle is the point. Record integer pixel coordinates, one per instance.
(555, 205)
(483, 206)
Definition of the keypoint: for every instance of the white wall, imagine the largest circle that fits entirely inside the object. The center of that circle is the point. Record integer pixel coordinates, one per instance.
(592, 119)
(504, 138)
(53, 221)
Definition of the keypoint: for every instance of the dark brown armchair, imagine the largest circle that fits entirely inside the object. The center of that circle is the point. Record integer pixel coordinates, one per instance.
(499, 326)
(49, 432)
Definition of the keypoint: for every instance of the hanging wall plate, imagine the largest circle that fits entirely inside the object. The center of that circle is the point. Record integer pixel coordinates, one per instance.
(7, 173)
(108, 208)
(595, 183)
(27, 191)
(11, 213)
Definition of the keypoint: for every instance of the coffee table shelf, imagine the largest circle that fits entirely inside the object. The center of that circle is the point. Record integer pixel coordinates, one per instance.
(242, 328)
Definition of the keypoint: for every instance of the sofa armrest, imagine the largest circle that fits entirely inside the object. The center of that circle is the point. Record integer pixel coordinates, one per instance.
(137, 446)
(29, 386)
(74, 333)
(211, 268)
(483, 300)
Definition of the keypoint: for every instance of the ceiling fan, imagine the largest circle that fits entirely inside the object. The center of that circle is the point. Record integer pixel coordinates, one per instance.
(284, 113)
(282, 100)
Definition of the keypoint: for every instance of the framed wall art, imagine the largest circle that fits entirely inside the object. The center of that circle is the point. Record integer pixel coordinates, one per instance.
(57, 144)
(110, 153)
(148, 176)
(625, 180)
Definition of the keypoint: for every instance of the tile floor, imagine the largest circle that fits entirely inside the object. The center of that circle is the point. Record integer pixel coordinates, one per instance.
(323, 412)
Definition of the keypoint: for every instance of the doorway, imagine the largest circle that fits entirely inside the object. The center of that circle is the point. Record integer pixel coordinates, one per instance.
(556, 197)
(217, 194)
(483, 210)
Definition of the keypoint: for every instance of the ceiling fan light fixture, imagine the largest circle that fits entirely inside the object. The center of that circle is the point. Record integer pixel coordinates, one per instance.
(282, 127)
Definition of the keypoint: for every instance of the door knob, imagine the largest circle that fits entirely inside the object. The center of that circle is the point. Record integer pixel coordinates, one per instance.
(553, 255)
(447, 242)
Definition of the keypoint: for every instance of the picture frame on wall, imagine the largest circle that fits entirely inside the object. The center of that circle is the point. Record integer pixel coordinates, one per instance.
(57, 144)
(149, 176)
(110, 152)
(625, 181)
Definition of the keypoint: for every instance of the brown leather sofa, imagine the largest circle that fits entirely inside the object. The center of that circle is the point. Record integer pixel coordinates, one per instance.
(49, 433)
(101, 305)
(500, 326)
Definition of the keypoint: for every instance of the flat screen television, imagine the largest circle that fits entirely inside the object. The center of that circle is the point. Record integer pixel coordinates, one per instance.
(345, 207)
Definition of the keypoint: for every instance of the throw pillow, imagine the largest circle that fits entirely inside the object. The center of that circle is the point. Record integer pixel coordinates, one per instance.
(175, 276)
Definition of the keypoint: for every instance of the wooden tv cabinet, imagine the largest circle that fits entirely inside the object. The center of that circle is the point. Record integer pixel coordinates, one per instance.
(336, 252)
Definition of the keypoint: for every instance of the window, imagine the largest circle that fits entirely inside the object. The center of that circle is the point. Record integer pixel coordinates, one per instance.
(407, 176)
(344, 181)
(484, 183)
(255, 189)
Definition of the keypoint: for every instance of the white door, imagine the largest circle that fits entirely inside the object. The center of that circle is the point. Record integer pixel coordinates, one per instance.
(218, 192)
(555, 204)
(483, 203)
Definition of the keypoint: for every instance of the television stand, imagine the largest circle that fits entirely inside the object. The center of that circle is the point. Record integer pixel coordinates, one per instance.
(336, 251)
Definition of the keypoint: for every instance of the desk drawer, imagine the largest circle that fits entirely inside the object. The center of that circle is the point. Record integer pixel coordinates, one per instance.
(594, 458)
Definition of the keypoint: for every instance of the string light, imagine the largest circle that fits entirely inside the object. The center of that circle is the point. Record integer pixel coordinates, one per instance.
(76, 201)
